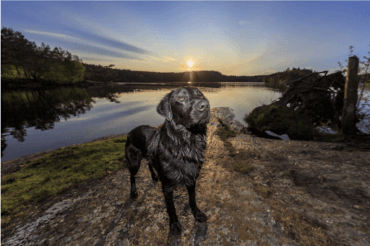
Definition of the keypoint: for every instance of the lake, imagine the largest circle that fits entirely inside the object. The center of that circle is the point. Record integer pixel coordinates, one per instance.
(35, 121)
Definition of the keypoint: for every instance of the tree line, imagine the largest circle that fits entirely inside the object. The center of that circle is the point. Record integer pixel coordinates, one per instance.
(21, 58)
(279, 79)
(110, 74)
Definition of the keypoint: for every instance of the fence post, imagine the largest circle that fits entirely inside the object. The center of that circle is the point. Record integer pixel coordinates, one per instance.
(350, 97)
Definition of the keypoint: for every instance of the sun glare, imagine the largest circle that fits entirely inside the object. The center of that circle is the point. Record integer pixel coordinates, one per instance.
(190, 63)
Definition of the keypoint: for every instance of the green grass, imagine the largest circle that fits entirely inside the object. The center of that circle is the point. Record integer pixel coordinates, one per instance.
(261, 189)
(49, 175)
(243, 167)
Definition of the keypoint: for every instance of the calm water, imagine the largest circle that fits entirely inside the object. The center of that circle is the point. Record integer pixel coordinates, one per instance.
(35, 121)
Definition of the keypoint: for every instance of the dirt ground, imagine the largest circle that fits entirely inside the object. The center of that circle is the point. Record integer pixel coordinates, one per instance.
(290, 193)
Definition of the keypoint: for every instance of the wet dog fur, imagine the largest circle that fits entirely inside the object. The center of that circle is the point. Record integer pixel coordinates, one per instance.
(175, 151)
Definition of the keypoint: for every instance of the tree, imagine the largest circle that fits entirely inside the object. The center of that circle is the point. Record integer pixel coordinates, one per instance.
(14, 47)
(36, 62)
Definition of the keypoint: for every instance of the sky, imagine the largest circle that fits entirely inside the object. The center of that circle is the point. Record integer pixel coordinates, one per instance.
(234, 38)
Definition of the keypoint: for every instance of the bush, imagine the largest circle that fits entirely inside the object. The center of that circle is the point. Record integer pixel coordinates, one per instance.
(282, 120)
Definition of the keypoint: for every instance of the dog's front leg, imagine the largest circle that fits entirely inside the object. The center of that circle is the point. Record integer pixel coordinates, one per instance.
(198, 215)
(175, 226)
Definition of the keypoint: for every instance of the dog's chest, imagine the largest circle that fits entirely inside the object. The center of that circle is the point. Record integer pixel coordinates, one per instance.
(182, 172)
(180, 164)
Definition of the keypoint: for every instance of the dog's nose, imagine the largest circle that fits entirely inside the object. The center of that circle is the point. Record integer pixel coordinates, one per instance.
(203, 105)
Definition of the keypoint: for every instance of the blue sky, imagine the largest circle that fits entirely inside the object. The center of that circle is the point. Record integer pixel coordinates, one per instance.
(235, 38)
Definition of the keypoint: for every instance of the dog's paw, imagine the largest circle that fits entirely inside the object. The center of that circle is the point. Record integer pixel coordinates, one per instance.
(175, 228)
(133, 195)
(200, 216)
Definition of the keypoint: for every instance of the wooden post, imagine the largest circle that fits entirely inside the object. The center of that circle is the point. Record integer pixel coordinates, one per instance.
(350, 97)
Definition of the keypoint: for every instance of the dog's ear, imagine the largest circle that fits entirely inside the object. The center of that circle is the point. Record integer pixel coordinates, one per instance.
(164, 107)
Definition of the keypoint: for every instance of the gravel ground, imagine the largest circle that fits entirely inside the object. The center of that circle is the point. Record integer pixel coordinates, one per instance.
(296, 193)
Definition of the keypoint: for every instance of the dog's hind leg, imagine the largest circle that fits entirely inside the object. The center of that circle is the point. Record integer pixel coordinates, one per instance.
(198, 215)
(175, 226)
(134, 157)
(154, 176)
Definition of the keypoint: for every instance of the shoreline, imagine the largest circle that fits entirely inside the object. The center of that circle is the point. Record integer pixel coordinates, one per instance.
(15, 164)
(222, 113)
(21, 84)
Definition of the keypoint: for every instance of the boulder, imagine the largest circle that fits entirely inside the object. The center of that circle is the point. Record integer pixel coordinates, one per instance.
(236, 126)
(224, 114)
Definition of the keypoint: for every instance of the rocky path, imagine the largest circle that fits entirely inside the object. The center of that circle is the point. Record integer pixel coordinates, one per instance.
(289, 197)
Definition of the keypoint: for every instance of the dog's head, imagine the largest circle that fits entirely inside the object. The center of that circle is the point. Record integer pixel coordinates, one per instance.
(186, 106)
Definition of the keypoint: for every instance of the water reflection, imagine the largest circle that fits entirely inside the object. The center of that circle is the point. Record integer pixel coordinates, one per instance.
(112, 109)
(39, 109)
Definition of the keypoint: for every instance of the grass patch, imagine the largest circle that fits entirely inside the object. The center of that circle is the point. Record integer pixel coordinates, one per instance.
(52, 174)
(243, 167)
(262, 190)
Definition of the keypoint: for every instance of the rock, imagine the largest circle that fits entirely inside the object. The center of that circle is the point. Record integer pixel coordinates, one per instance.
(225, 114)
(238, 127)
(326, 129)
(214, 121)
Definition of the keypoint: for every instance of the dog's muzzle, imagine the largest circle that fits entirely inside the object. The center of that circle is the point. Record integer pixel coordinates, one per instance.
(203, 108)
(203, 105)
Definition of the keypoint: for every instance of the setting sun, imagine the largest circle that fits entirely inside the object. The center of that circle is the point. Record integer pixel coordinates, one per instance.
(190, 63)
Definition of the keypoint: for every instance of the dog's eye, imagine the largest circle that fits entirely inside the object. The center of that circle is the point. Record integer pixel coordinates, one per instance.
(181, 98)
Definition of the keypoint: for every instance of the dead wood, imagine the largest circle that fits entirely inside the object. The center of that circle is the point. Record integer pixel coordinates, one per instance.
(317, 97)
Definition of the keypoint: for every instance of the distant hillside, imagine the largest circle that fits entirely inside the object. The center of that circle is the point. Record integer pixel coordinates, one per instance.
(278, 80)
(108, 73)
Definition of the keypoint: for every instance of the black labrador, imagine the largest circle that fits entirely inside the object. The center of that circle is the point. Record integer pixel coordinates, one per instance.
(176, 150)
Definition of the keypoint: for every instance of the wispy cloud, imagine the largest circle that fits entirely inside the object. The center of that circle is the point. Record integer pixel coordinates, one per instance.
(114, 43)
(96, 48)
(102, 60)
(88, 29)
(95, 40)
(158, 58)
(52, 34)
(155, 59)
(243, 22)
(169, 58)
(102, 50)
